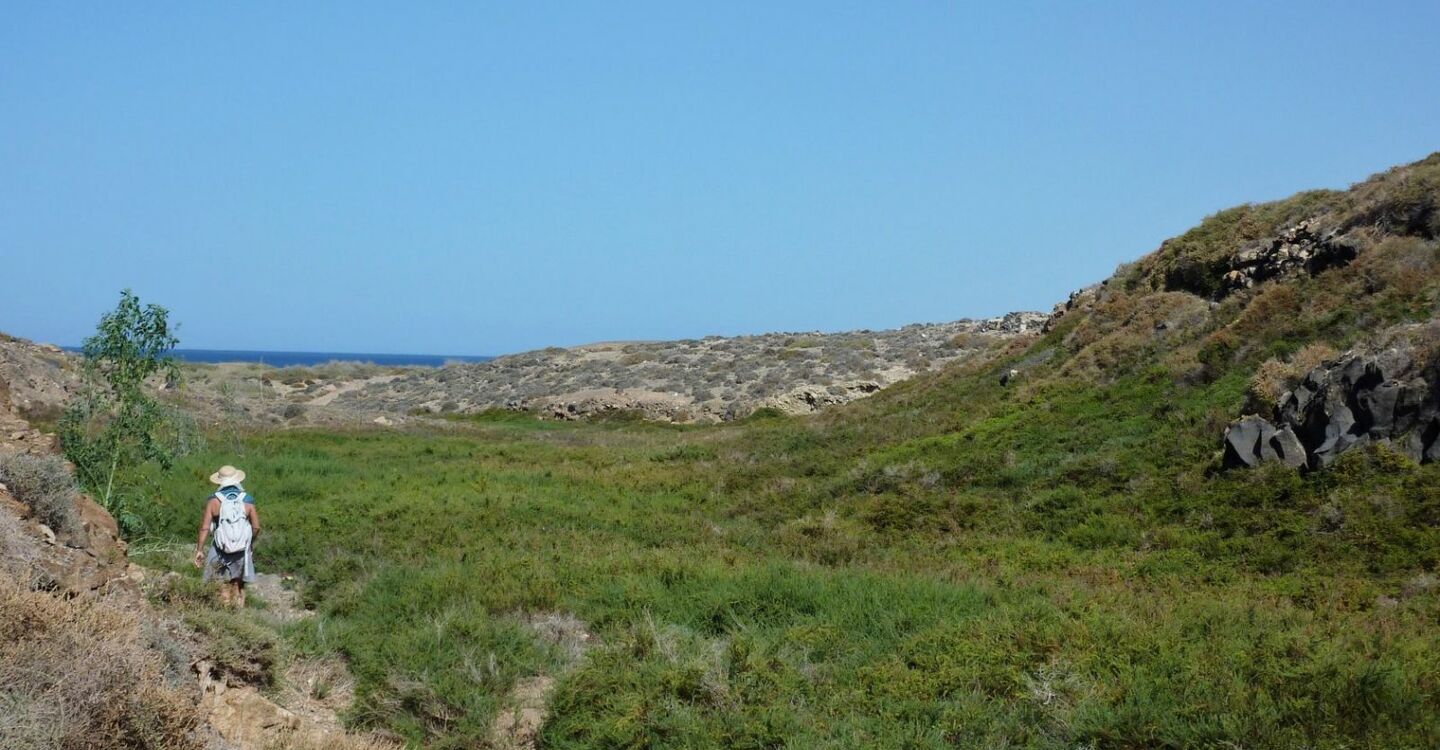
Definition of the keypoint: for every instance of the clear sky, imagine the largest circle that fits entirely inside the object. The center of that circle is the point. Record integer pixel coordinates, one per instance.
(476, 178)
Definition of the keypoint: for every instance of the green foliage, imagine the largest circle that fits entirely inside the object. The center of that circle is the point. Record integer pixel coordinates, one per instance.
(1022, 593)
(115, 424)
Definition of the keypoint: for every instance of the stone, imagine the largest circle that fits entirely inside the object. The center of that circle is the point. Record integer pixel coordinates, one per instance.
(1244, 439)
(1284, 446)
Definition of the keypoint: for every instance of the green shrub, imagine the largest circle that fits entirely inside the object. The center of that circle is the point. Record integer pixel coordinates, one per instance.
(241, 649)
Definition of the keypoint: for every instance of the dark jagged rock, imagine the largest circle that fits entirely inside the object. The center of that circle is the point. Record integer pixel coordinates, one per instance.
(1348, 402)
(1253, 440)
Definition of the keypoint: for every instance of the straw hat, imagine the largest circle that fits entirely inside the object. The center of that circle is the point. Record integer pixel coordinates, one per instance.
(227, 475)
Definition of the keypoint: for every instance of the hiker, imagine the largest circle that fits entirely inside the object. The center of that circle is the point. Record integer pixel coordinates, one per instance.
(231, 518)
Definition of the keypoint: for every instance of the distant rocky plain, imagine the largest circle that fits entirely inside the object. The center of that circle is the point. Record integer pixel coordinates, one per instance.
(712, 379)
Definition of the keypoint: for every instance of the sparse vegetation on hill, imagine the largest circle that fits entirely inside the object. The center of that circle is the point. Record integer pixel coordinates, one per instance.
(705, 380)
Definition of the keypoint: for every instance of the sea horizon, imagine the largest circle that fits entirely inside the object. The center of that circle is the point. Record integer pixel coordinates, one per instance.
(280, 358)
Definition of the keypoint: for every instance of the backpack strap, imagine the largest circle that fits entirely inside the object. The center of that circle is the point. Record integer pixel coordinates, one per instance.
(222, 498)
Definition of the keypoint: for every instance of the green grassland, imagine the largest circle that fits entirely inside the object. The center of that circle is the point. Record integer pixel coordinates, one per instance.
(1056, 563)
(792, 612)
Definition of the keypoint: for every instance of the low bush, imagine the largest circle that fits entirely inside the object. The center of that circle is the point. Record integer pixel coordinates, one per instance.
(1277, 375)
(46, 485)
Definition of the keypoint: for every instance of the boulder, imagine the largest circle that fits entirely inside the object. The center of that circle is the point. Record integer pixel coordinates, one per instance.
(1354, 400)
(1242, 441)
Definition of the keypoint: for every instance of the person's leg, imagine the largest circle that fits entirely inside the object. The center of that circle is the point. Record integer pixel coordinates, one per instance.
(239, 593)
(225, 592)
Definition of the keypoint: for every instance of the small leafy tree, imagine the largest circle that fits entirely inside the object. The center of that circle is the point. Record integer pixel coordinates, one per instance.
(115, 425)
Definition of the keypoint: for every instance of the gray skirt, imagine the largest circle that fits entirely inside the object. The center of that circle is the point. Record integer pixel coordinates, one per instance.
(230, 566)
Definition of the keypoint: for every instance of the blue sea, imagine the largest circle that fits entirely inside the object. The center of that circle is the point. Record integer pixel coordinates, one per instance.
(287, 359)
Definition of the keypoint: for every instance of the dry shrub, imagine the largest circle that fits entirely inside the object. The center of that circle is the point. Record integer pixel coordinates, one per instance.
(970, 340)
(76, 675)
(17, 550)
(1274, 377)
(1270, 382)
(1311, 357)
(1427, 344)
(45, 484)
(1405, 265)
(1274, 309)
(1123, 328)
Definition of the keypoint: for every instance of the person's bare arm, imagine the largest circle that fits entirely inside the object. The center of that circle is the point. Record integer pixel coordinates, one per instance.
(254, 516)
(210, 508)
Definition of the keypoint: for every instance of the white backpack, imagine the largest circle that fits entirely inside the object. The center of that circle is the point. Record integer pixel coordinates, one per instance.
(232, 530)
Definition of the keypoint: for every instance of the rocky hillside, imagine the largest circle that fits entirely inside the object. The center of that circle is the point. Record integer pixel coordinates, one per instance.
(711, 379)
(157, 672)
(35, 379)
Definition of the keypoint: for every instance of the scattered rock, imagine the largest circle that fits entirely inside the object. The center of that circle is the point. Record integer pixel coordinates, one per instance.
(39, 377)
(1303, 247)
(241, 715)
(517, 726)
(695, 380)
(281, 602)
(1080, 300)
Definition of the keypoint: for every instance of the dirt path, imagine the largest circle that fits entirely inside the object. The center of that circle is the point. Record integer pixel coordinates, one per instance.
(348, 386)
(306, 711)
(517, 726)
(281, 602)
(317, 691)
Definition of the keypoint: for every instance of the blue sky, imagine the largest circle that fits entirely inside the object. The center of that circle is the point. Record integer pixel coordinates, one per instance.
(476, 178)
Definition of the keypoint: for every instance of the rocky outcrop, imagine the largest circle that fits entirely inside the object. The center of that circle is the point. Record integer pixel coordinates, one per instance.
(1357, 399)
(808, 399)
(36, 378)
(1252, 440)
(1014, 323)
(1080, 300)
(1304, 247)
(595, 402)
